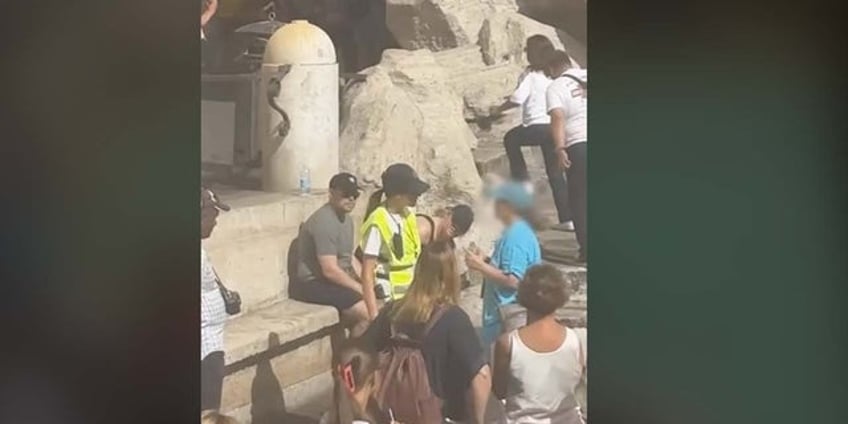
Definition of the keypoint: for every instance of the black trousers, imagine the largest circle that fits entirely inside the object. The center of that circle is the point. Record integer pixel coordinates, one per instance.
(211, 380)
(538, 135)
(577, 188)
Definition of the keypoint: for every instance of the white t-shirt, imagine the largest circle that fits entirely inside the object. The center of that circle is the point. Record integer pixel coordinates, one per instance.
(374, 245)
(566, 94)
(530, 94)
(542, 385)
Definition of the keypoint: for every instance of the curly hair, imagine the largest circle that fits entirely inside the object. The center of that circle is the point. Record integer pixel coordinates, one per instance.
(543, 290)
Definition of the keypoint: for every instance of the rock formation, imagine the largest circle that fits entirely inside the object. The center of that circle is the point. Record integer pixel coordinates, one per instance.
(503, 35)
(440, 24)
(405, 112)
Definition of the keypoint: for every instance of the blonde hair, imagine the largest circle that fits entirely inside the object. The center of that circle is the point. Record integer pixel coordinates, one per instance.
(215, 417)
(436, 283)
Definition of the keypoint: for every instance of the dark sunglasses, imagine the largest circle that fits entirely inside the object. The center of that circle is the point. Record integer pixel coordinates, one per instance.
(347, 195)
(353, 196)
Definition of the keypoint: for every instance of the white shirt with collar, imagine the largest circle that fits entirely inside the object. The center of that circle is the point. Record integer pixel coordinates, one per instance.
(566, 94)
(530, 94)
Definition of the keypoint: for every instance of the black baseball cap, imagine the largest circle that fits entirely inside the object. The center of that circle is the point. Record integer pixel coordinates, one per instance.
(345, 183)
(461, 219)
(207, 196)
(400, 178)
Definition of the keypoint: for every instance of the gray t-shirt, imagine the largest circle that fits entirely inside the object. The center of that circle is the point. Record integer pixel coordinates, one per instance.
(324, 233)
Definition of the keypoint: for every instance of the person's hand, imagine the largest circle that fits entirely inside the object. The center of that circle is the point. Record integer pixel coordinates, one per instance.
(562, 159)
(474, 260)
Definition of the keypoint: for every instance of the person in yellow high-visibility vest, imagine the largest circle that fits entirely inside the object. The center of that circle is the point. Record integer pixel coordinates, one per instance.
(390, 239)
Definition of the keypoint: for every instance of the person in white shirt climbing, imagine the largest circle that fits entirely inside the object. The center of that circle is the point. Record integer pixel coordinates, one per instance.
(566, 100)
(535, 125)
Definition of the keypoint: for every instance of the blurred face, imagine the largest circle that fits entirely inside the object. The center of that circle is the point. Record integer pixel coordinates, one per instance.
(208, 219)
(343, 201)
(504, 212)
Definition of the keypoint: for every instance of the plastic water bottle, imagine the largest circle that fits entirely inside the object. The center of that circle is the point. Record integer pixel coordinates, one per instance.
(305, 182)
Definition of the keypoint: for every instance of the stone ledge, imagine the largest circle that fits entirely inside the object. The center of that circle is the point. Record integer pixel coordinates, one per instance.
(256, 267)
(272, 330)
(254, 213)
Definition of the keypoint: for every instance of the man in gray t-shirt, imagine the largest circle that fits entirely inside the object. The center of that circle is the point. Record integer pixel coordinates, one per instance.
(326, 269)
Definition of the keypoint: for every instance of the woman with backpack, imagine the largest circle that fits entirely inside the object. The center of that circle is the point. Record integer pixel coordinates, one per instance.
(430, 339)
(538, 367)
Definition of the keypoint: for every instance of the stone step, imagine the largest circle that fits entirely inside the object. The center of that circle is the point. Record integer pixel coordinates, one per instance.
(249, 247)
(257, 212)
(491, 158)
(559, 246)
(278, 358)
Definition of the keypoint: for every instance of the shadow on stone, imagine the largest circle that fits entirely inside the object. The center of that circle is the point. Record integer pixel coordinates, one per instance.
(268, 404)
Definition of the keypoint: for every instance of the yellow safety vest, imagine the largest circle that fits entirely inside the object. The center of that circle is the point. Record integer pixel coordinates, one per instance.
(397, 270)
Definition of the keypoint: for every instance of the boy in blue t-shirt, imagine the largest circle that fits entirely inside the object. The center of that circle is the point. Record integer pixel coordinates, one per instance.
(516, 251)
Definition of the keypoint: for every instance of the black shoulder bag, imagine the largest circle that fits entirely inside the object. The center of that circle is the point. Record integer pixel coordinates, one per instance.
(232, 300)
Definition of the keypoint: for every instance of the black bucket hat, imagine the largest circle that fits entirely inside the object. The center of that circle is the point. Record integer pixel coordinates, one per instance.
(400, 178)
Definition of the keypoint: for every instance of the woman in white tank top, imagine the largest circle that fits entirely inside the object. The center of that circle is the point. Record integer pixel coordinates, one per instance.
(538, 367)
